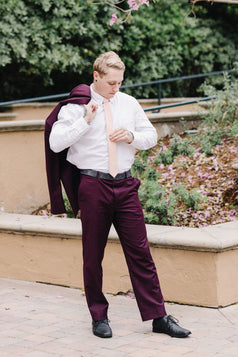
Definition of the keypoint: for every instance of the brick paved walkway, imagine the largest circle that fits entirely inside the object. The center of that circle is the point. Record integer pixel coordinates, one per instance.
(39, 320)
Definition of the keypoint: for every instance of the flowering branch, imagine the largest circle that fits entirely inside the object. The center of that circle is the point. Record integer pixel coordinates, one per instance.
(132, 5)
(234, 2)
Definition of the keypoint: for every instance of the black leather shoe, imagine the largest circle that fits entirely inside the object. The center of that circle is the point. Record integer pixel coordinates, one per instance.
(168, 324)
(102, 329)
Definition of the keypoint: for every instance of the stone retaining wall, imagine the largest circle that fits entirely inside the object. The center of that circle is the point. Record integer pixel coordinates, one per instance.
(196, 266)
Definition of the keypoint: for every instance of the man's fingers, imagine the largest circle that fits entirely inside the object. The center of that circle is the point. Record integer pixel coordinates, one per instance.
(120, 134)
(91, 109)
(91, 106)
(116, 134)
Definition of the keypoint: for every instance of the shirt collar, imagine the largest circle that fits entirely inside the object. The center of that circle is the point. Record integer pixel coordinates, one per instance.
(99, 98)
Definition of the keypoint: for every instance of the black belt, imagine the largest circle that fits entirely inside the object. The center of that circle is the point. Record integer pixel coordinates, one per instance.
(105, 176)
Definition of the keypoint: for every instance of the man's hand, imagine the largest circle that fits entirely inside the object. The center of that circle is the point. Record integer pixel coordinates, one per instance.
(91, 109)
(121, 134)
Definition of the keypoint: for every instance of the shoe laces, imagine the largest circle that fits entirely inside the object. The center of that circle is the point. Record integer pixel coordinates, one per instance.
(105, 321)
(173, 319)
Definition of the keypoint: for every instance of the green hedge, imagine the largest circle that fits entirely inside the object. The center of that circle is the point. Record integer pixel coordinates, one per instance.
(48, 46)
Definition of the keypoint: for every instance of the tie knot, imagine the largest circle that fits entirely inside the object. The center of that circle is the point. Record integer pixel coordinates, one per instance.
(105, 100)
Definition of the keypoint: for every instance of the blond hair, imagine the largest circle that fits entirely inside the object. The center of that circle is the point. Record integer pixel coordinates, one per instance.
(108, 60)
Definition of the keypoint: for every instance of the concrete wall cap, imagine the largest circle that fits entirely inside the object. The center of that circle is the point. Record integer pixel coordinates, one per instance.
(40, 225)
(22, 125)
(34, 105)
(215, 238)
(173, 116)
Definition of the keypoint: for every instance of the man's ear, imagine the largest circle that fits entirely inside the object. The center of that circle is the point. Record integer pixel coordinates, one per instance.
(95, 75)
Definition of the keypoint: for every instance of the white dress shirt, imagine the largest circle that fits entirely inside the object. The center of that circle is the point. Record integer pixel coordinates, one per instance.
(87, 143)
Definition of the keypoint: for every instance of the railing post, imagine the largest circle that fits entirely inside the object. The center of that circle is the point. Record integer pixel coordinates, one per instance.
(159, 95)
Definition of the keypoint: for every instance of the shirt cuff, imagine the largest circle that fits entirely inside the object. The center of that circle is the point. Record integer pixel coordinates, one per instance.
(136, 139)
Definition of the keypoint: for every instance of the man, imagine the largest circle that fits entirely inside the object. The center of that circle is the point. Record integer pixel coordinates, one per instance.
(108, 194)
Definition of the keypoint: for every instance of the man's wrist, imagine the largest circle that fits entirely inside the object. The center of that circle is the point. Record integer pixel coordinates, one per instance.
(87, 120)
(132, 137)
(85, 116)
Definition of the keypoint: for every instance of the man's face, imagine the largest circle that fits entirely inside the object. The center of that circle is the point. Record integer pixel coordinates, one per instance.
(109, 84)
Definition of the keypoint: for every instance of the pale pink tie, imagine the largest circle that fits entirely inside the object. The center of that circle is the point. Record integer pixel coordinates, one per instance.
(112, 147)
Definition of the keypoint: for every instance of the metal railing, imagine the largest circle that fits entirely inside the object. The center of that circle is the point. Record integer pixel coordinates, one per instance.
(35, 99)
(164, 106)
(174, 79)
(158, 82)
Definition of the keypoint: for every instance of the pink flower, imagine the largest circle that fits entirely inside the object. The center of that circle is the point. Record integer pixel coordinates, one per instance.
(166, 174)
(232, 212)
(113, 19)
(45, 214)
(206, 214)
(150, 158)
(130, 296)
(146, 2)
(170, 168)
(200, 174)
(133, 4)
(195, 215)
(195, 155)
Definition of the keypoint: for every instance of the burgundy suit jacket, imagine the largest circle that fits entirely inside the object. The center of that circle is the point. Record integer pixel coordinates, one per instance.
(58, 169)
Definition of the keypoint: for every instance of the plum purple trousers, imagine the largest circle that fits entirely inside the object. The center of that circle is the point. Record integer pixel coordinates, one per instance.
(103, 203)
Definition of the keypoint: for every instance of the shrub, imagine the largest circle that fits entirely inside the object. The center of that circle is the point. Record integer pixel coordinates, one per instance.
(159, 204)
(180, 146)
(164, 157)
(192, 199)
(177, 146)
(221, 121)
(138, 167)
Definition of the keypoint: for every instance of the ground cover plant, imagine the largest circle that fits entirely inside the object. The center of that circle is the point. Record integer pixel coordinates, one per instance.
(194, 190)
